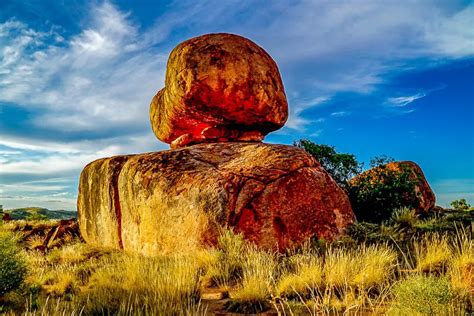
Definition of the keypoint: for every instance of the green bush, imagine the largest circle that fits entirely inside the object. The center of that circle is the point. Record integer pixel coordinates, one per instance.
(36, 217)
(425, 295)
(341, 167)
(460, 205)
(377, 193)
(12, 266)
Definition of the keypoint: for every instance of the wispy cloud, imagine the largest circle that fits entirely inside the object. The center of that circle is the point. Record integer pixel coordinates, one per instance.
(405, 100)
(296, 119)
(97, 79)
(340, 113)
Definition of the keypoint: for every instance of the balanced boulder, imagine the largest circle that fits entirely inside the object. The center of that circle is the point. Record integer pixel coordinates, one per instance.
(277, 196)
(375, 193)
(218, 87)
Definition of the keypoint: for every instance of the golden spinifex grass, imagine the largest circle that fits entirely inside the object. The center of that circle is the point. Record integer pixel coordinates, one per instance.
(433, 253)
(342, 277)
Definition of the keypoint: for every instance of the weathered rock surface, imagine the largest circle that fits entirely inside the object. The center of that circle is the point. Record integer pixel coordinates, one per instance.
(277, 196)
(218, 87)
(421, 197)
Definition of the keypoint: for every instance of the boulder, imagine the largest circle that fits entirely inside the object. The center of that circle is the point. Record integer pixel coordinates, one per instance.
(375, 192)
(277, 196)
(218, 87)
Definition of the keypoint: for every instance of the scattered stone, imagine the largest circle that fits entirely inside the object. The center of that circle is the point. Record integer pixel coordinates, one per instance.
(48, 235)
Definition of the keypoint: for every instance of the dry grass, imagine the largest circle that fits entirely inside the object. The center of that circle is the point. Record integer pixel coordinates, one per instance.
(375, 265)
(339, 268)
(79, 278)
(432, 254)
(461, 269)
(152, 285)
(307, 276)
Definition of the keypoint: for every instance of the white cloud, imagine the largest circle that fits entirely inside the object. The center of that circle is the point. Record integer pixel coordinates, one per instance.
(340, 113)
(95, 80)
(59, 158)
(405, 100)
(453, 36)
(46, 200)
(352, 45)
(296, 120)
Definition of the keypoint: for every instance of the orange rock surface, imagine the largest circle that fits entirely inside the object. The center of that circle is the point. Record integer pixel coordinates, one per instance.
(218, 87)
(277, 196)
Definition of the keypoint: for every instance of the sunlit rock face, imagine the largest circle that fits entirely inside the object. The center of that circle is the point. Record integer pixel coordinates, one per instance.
(277, 196)
(222, 95)
(218, 87)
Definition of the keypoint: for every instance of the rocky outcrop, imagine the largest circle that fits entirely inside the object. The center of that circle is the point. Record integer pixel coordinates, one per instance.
(426, 198)
(218, 87)
(389, 186)
(46, 236)
(277, 196)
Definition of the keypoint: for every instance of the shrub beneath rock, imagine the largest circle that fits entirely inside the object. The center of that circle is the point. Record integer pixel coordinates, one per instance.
(377, 193)
(12, 266)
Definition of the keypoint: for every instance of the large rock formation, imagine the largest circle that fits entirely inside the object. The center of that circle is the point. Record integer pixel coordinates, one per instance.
(375, 192)
(277, 196)
(218, 87)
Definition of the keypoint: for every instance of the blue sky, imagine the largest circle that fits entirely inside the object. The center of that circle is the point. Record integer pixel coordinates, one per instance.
(369, 77)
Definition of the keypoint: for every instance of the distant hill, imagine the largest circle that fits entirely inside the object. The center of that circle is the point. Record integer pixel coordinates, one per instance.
(28, 212)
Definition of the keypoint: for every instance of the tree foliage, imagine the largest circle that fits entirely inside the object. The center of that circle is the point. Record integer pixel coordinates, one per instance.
(12, 266)
(377, 193)
(381, 160)
(460, 205)
(342, 167)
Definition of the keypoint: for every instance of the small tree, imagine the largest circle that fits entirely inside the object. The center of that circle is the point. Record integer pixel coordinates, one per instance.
(342, 167)
(460, 205)
(381, 160)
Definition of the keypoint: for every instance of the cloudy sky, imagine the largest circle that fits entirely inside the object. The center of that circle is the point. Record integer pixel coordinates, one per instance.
(369, 77)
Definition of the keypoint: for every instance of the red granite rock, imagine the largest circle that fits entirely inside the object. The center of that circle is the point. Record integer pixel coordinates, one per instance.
(218, 87)
(277, 196)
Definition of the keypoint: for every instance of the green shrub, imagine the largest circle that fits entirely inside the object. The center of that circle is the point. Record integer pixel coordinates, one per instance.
(377, 193)
(460, 205)
(36, 217)
(425, 295)
(341, 167)
(12, 266)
